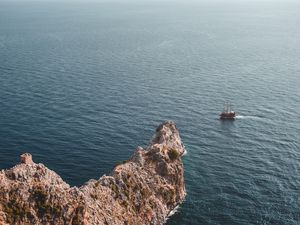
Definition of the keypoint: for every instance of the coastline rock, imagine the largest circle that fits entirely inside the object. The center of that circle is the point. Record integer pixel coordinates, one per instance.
(142, 190)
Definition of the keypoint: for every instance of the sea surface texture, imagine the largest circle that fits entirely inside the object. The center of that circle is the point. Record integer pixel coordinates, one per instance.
(83, 83)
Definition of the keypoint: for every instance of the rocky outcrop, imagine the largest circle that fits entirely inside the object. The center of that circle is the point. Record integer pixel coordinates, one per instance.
(142, 190)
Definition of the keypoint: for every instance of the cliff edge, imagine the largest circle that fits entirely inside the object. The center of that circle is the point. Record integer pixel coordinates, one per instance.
(141, 190)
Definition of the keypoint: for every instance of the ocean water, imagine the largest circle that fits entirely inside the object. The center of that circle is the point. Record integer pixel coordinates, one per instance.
(83, 83)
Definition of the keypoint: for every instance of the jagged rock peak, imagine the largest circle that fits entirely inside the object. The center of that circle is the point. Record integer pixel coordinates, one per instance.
(142, 190)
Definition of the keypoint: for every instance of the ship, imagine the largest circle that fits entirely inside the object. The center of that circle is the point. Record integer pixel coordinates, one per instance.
(227, 114)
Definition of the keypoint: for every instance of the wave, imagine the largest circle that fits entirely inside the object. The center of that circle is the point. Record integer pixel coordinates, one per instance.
(185, 151)
(172, 212)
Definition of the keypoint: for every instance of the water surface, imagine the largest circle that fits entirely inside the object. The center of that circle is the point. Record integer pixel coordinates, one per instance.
(83, 84)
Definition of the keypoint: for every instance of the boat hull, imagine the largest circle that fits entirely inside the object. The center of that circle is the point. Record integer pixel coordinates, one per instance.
(227, 116)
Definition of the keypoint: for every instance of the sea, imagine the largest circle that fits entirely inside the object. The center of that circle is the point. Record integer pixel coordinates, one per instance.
(83, 83)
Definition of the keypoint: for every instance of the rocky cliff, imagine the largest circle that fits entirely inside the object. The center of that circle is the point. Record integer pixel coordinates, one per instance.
(141, 190)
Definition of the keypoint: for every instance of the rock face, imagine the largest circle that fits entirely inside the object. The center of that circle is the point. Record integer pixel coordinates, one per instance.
(142, 190)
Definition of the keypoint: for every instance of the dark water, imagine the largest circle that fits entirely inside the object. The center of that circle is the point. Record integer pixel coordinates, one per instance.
(82, 84)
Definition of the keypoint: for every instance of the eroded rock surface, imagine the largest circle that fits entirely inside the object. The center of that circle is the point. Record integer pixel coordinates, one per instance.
(142, 190)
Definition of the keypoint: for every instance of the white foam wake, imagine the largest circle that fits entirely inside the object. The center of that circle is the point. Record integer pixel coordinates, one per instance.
(248, 117)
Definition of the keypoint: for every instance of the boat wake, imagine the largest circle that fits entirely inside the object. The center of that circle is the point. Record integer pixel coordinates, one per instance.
(248, 117)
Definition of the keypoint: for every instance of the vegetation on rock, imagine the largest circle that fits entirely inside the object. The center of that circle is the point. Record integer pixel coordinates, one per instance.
(173, 154)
